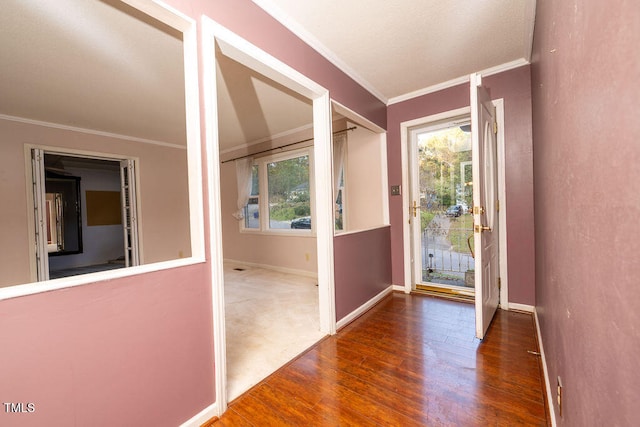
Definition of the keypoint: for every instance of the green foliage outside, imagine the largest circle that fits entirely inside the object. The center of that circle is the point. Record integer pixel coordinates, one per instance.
(289, 189)
(425, 218)
(440, 156)
(459, 231)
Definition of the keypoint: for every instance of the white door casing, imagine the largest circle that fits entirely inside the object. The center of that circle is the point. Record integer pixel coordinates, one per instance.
(129, 212)
(39, 204)
(485, 210)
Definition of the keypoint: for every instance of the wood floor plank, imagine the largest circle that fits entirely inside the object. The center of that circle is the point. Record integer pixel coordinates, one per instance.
(410, 360)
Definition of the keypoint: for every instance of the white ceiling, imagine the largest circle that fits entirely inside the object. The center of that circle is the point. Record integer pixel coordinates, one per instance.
(94, 65)
(398, 48)
(101, 65)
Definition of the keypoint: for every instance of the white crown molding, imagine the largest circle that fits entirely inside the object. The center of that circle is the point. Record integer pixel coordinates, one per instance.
(304, 35)
(89, 131)
(530, 14)
(457, 81)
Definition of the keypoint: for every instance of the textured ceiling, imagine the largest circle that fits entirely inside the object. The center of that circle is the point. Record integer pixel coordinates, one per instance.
(92, 64)
(397, 47)
(101, 65)
(252, 108)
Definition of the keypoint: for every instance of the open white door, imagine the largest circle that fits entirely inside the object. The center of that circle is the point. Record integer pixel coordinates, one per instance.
(485, 210)
(129, 212)
(40, 214)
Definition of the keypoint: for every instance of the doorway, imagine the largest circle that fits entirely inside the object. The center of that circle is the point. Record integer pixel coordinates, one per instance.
(218, 39)
(85, 211)
(412, 245)
(442, 193)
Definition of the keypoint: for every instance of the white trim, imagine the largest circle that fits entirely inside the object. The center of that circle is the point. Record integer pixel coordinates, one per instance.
(405, 128)
(277, 268)
(545, 370)
(215, 216)
(181, 22)
(502, 196)
(384, 178)
(304, 35)
(519, 307)
(164, 13)
(323, 208)
(89, 131)
(231, 45)
(363, 308)
(405, 191)
(91, 278)
(264, 218)
(269, 138)
(458, 81)
(399, 288)
(356, 118)
(530, 19)
(362, 230)
(249, 55)
(202, 417)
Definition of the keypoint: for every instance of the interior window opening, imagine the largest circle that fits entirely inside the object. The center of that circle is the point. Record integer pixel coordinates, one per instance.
(359, 176)
(88, 215)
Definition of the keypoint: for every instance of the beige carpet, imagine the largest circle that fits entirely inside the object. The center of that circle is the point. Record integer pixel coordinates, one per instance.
(270, 317)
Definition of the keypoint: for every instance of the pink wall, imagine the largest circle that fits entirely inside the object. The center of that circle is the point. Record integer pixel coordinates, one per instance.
(514, 87)
(585, 74)
(134, 351)
(138, 350)
(362, 268)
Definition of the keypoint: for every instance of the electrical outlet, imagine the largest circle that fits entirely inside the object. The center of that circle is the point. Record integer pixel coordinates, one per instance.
(559, 395)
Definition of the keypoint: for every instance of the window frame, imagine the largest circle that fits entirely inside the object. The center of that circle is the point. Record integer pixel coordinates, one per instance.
(263, 195)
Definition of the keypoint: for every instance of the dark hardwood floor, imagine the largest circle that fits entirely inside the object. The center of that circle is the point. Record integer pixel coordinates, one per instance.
(412, 360)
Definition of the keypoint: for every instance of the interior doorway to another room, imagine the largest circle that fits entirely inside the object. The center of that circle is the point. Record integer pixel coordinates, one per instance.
(269, 226)
(85, 213)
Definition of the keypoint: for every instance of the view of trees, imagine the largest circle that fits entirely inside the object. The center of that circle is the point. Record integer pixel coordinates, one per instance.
(288, 183)
(440, 156)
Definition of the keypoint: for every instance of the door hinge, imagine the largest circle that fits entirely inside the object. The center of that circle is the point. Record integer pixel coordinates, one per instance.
(495, 127)
(497, 205)
(499, 284)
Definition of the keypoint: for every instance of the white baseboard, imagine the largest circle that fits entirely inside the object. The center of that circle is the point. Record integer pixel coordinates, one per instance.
(364, 307)
(203, 416)
(552, 412)
(399, 288)
(297, 272)
(521, 307)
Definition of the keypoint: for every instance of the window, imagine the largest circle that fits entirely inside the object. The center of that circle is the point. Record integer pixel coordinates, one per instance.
(339, 205)
(286, 182)
(252, 211)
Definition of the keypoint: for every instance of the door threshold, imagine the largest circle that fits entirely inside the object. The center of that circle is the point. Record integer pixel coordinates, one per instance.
(448, 293)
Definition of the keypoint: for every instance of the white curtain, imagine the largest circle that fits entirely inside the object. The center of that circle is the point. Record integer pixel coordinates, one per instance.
(339, 148)
(243, 177)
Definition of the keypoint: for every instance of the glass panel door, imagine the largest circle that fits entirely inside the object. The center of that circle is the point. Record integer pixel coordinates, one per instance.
(445, 200)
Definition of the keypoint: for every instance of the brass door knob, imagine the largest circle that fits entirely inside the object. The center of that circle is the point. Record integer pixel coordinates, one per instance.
(481, 228)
